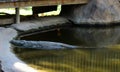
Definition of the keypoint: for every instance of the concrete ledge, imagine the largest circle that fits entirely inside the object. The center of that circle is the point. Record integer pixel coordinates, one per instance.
(40, 23)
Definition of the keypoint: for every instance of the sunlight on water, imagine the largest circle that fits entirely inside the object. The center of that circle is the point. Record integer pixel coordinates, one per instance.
(74, 60)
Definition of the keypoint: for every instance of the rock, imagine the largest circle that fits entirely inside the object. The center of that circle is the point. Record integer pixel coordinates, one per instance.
(95, 12)
(9, 61)
(1, 67)
(40, 23)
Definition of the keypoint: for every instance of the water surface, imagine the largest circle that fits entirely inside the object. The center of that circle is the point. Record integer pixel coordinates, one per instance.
(76, 60)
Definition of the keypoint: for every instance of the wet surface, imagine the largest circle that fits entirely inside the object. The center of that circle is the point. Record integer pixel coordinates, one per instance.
(76, 60)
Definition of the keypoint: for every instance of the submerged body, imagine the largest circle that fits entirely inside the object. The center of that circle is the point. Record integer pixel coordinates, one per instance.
(41, 44)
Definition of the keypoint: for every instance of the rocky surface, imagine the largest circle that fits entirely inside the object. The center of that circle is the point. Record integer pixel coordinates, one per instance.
(95, 12)
(40, 23)
(1, 67)
(9, 61)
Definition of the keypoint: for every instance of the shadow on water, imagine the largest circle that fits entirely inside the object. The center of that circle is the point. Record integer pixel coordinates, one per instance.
(76, 60)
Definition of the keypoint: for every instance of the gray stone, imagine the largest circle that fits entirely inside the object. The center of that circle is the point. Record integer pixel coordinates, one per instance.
(40, 22)
(9, 61)
(1, 67)
(95, 12)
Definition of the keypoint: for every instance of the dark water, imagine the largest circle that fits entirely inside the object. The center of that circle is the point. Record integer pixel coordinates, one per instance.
(76, 60)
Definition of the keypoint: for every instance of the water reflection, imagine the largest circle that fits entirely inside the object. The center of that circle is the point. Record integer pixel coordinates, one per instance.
(97, 36)
(76, 60)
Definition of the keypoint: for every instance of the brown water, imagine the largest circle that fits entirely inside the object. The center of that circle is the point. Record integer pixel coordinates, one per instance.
(75, 60)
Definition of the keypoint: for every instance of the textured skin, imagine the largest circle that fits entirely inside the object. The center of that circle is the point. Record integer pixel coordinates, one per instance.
(41, 44)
